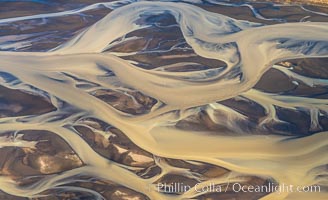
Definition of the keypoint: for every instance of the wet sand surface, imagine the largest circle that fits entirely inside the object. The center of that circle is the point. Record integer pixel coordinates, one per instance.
(79, 121)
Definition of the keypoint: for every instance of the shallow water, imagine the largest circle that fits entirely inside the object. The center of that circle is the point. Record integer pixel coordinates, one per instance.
(143, 99)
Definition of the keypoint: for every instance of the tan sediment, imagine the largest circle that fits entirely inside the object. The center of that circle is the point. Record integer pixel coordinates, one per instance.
(135, 144)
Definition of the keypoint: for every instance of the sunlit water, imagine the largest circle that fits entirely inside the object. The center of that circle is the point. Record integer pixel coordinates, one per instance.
(112, 99)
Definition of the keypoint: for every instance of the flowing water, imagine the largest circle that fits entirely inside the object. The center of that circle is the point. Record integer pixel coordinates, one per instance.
(123, 99)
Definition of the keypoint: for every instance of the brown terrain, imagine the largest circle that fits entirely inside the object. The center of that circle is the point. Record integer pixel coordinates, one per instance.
(312, 2)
